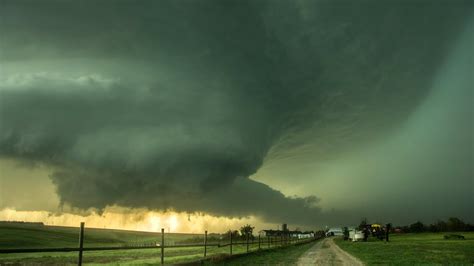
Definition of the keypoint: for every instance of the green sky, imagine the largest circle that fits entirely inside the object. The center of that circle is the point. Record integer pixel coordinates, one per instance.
(306, 112)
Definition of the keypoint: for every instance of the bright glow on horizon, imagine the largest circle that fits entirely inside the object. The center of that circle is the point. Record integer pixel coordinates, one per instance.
(173, 223)
(155, 223)
(137, 220)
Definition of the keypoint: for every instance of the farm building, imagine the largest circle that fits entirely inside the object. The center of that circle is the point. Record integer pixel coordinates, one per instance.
(336, 231)
(286, 232)
(356, 235)
(276, 233)
(307, 234)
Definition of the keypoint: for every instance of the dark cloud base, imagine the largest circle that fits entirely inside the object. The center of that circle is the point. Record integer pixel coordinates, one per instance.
(219, 84)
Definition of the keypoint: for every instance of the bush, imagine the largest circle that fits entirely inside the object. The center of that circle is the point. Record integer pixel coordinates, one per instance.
(417, 227)
(454, 237)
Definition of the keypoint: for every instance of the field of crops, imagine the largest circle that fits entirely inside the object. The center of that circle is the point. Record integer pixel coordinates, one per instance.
(410, 249)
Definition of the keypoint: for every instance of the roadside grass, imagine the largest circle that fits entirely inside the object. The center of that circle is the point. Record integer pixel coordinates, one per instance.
(410, 249)
(141, 256)
(278, 256)
(33, 236)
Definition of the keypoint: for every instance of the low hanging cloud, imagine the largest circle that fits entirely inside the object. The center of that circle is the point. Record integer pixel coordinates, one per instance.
(182, 101)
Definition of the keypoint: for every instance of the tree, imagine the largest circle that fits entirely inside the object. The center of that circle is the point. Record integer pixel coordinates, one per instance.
(235, 234)
(417, 227)
(441, 226)
(246, 230)
(433, 228)
(363, 223)
(363, 226)
(455, 224)
(346, 233)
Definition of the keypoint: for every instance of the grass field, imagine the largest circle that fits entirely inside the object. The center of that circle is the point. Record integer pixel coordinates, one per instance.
(410, 249)
(34, 236)
(280, 256)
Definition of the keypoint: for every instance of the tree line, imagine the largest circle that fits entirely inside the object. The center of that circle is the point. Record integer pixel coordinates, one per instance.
(244, 232)
(453, 224)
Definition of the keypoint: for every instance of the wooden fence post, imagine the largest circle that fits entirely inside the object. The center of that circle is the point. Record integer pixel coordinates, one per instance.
(230, 242)
(247, 242)
(205, 243)
(162, 246)
(258, 241)
(81, 243)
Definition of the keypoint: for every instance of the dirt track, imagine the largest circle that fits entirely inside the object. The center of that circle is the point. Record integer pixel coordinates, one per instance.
(326, 252)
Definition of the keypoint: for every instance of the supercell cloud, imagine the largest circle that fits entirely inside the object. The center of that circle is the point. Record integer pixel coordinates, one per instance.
(174, 104)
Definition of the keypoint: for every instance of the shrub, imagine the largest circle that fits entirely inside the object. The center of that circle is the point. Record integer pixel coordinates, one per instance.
(454, 237)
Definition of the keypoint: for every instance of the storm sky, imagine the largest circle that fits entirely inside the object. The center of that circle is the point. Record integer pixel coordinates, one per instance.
(305, 112)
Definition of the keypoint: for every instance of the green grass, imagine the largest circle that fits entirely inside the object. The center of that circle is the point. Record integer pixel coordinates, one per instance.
(37, 236)
(410, 249)
(279, 256)
(34, 236)
(125, 257)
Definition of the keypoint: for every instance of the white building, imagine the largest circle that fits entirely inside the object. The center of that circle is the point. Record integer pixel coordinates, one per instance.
(356, 235)
(335, 232)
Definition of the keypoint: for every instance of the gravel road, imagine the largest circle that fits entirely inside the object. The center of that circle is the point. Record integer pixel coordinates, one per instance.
(326, 252)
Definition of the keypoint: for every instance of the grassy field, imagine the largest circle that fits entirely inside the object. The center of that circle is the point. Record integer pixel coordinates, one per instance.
(280, 256)
(410, 249)
(35, 236)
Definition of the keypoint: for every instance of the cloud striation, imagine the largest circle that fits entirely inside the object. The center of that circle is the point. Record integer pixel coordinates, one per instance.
(174, 104)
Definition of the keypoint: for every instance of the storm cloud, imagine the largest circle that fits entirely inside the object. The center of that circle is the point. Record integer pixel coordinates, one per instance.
(174, 104)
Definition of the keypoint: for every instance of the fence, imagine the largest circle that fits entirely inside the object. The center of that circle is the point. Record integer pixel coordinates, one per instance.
(268, 242)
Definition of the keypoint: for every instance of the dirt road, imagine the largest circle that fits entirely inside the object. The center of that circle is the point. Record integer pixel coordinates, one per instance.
(326, 252)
